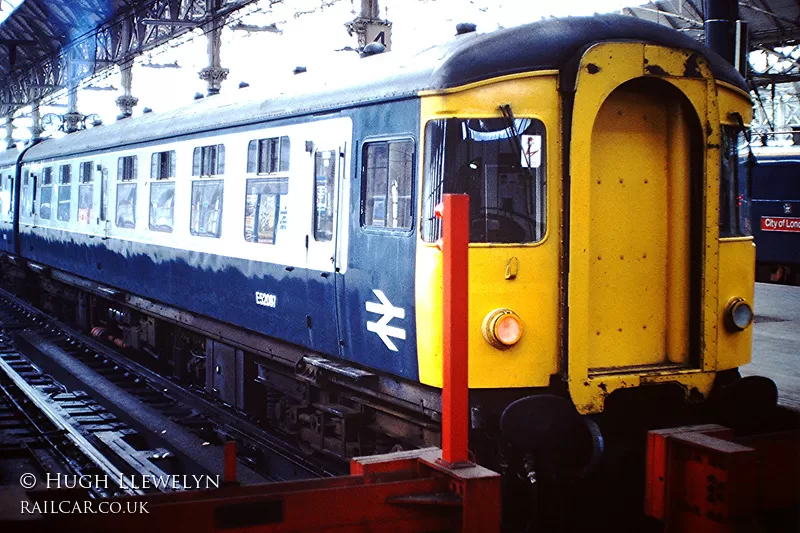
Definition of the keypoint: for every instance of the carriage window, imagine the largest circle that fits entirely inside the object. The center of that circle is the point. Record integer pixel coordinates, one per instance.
(85, 202)
(262, 207)
(387, 171)
(86, 192)
(734, 189)
(267, 156)
(500, 164)
(162, 206)
(86, 172)
(9, 192)
(46, 194)
(127, 168)
(162, 195)
(206, 217)
(208, 160)
(324, 192)
(64, 192)
(162, 165)
(126, 192)
(27, 193)
(4, 194)
(126, 205)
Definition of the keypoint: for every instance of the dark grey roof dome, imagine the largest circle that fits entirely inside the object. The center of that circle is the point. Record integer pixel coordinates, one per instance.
(554, 43)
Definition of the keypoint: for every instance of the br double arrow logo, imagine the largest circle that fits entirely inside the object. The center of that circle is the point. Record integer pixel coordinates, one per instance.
(382, 327)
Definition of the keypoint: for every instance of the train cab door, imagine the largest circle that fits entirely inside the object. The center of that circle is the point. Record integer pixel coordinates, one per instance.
(321, 244)
(639, 237)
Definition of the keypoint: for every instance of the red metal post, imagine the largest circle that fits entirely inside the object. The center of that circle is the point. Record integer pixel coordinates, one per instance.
(455, 388)
(229, 460)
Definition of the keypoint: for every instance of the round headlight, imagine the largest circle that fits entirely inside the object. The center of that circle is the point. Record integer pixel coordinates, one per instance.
(738, 314)
(502, 328)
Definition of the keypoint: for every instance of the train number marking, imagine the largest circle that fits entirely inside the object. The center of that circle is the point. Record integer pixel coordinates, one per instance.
(382, 327)
(267, 300)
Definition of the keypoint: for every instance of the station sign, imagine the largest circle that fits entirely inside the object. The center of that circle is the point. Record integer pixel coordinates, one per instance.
(788, 224)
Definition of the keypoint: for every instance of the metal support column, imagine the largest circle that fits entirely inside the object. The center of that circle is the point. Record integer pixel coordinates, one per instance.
(369, 27)
(10, 130)
(73, 119)
(36, 121)
(127, 101)
(214, 74)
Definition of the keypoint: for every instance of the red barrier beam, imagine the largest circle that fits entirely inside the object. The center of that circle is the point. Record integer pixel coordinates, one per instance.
(229, 466)
(454, 212)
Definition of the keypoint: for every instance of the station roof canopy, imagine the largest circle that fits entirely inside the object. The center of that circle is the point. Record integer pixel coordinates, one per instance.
(40, 28)
(33, 36)
(40, 39)
(771, 23)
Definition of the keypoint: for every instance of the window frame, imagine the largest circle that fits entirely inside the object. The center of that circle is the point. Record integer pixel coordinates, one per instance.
(134, 169)
(157, 184)
(363, 192)
(280, 182)
(64, 171)
(85, 181)
(315, 226)
(254, 163)
(82, 175)
(126, 179)
(10, 182)
(206, 181)
(27, 195)
(219, 161)
(47, 182)
(731, 182)
(430, 226)
(171, 165)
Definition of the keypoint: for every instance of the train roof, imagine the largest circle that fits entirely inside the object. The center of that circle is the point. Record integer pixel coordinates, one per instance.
(8, 158)
(552, 44)
(766, 154)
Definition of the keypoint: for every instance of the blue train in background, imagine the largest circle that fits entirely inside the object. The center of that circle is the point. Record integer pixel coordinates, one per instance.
(775, 210)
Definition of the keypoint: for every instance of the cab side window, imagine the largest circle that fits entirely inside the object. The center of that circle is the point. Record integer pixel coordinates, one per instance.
(734, 189)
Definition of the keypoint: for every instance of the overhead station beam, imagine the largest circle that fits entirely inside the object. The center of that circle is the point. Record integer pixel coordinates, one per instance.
(150, 24)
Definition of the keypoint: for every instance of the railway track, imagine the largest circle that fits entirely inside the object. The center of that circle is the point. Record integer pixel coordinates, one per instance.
(109, 416)
(45, 431)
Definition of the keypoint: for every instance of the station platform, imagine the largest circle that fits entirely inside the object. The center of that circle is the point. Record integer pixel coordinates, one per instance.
(776, 340)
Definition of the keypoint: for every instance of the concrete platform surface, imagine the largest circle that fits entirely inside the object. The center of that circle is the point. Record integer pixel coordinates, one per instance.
(776, 340)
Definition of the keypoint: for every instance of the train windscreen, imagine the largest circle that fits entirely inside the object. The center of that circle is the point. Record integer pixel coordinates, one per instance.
(500, 164)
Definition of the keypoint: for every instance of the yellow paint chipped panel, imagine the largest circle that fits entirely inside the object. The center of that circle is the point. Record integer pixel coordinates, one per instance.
(737, 258)
(623, 134)
(534, 292)
(660, 61)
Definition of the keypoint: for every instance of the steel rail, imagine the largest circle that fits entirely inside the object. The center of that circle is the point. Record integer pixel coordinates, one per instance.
(71, 433)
